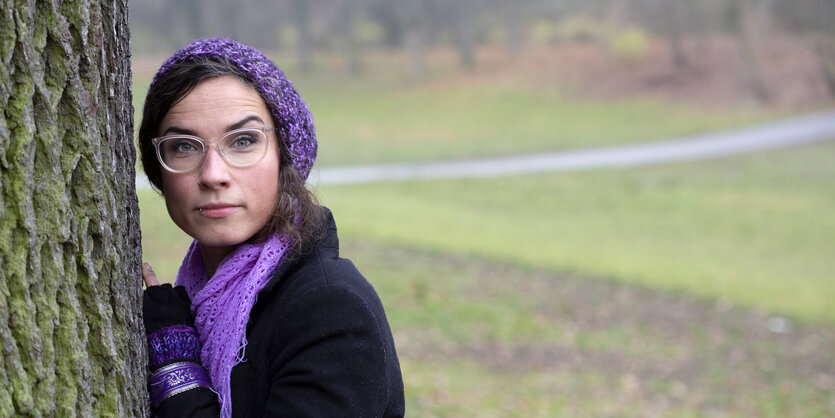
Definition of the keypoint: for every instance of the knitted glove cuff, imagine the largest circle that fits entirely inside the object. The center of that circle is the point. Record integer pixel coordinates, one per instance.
(177, 342)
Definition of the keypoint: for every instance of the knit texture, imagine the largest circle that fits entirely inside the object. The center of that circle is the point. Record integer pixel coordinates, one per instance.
(176, 342)
(294, 120)
(221, 306)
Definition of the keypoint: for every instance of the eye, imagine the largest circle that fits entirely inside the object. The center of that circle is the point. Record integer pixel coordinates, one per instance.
(242, 141)
(182, 146)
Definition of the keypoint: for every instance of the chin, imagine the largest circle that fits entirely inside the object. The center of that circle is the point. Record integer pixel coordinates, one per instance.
(223, 243)
(220, 241)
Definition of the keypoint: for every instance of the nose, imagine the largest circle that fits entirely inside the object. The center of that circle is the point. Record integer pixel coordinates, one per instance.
(214, 172)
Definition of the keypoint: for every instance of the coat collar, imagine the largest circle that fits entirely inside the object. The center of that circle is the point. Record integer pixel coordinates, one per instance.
(328, 240)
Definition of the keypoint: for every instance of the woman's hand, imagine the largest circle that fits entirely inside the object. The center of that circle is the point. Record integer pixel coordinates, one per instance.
(162, 304)
(148, 275)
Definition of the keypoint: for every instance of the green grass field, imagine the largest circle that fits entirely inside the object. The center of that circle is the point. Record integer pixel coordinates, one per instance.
(756, 229)
(370, 123)
(635, 292)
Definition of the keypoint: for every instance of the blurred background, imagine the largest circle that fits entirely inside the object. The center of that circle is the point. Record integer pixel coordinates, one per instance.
(699, 288)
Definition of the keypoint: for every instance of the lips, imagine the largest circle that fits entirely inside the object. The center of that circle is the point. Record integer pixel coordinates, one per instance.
(217, 210)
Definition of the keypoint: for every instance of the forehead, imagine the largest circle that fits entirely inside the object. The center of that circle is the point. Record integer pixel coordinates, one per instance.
(214, 104)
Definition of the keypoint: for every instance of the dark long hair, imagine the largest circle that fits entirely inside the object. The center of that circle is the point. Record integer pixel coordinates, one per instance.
(297, 212)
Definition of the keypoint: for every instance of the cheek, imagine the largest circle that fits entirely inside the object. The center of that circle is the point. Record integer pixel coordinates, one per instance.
(271, 187)
(267, 190)
(174, 194)
(271, 171)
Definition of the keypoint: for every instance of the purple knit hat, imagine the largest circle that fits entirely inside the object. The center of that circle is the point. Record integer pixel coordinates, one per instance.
(289, 110)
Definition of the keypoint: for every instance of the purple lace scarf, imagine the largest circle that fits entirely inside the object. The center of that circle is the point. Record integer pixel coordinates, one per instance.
(221, 306)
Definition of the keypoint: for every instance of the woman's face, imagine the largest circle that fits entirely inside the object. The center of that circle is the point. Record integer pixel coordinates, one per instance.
(217, 204)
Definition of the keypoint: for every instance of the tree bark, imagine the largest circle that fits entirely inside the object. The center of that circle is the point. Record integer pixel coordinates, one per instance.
(71, 335)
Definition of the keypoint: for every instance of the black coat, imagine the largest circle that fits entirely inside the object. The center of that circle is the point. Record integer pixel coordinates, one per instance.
(319, 345)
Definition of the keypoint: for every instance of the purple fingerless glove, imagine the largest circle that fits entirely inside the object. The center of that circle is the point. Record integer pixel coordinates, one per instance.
(177, 342)
(173, 346)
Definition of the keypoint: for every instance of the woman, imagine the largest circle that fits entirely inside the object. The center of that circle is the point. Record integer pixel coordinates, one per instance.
(265, 318)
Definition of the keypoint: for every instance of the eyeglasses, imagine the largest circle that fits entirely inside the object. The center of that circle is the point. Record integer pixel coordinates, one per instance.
(239, 148)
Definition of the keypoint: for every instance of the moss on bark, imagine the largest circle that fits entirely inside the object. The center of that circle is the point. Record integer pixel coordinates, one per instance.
(71, 337)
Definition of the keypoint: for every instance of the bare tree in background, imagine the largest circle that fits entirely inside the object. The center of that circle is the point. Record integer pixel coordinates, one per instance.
(748, 21)
(826, 51)
(466, 12)
(693, 31)
(348, 26)
(415, 39)
(194, 17)
(673, 25)
(70, 295)
(384, 12)
(512, 17)
(619, 11)
(231, 19)
(304, 41)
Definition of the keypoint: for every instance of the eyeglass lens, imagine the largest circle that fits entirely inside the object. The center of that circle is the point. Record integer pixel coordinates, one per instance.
(238, 148)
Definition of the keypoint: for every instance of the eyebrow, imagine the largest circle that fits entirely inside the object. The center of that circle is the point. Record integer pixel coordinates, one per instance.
(232, 127)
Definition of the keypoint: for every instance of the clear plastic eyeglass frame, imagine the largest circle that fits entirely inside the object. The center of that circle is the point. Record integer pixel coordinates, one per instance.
(221, 149)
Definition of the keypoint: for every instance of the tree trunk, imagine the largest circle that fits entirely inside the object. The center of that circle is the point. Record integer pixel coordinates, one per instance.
(348, 23)
(674, 19)
(71, 335)
(413, 16)
(748, 28)
(512, 15)
(194, 18)
(826, 51)
(414, 44)
(304, 42)
(466, 32)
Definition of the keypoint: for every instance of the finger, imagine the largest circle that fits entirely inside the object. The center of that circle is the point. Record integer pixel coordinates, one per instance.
(148, 275)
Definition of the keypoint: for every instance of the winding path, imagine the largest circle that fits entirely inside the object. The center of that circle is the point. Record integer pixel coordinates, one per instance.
(781, 134)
